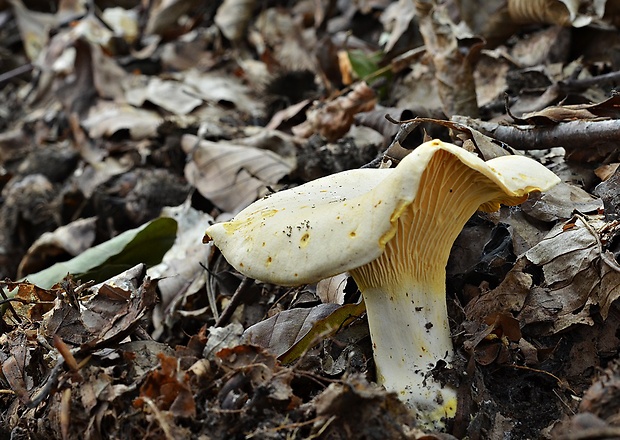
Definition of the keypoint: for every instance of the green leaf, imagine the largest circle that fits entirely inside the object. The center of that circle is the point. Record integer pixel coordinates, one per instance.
(145, 244)
(367, 68)
(363, 63)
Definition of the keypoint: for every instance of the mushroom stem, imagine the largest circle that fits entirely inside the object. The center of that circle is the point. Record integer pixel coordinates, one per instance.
(406, 353)
(407, 285)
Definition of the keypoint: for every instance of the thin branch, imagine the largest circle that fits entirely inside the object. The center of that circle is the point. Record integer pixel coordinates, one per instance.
(8, 76)
(570, 135)
(234, 302)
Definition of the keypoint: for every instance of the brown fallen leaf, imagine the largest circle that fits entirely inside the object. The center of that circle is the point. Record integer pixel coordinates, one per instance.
(333, 119)
(167, 387)
(231, 175)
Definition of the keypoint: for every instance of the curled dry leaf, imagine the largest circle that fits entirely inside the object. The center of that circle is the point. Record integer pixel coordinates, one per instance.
(608, 109)
(560, 202)
(574, 13)
(332, 289)
(577, 270)
(168, 388)
(109, 313)
(577, 273)
(335, 118)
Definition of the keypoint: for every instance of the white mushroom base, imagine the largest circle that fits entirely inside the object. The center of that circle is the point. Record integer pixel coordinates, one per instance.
(410, 335)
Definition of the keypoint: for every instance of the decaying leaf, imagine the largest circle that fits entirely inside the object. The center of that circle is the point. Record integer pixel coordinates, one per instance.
(356, 406)
(109, 313)
(292, 332)
(107, 118)
(232, 18)
(453, 53)
(168, 388)
(332, 290)
(561, 12)
(577, 273)
(180, 273)
(334, 119)
(257, 379)
(231, 175)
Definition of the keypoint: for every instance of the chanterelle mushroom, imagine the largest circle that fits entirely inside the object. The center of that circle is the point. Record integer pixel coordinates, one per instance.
(392, 230)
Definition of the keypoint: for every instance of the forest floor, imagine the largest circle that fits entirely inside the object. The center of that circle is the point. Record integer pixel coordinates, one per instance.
(127, 128)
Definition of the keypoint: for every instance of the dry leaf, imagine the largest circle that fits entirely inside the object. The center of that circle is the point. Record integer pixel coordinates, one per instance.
(331, 290)
(230, 175)
(232, 18)
(334, 119)
(576, 13)
(575, 270)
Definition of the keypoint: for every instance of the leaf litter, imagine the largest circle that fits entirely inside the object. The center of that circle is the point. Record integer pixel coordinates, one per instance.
(125, 131)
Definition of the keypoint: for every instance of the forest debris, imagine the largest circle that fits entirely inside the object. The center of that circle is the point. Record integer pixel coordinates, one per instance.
(356, 405)
(69, 240)
(232, 18)
(609, 192)
(109, 313)
(168, 389)
(560, 202)
(164, 16)
(607, 109)
(577, 273)
(332, 290)
(115, 255)
(577, 270)
(282, 331)
(231, 175)
(333, 119)
(180, 272)
(34, 26)
(560, 12)
(256, 381)
(399, 19)
(593, 140)
(453, 56)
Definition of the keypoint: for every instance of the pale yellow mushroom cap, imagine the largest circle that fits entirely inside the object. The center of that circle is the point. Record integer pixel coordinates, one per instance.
(343, 221)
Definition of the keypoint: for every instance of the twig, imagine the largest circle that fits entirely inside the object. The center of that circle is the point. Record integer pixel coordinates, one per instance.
(561, 383)
(295, 425)
(612, 263)
(9, 305)
(584, 83)
(52, 379)
(159, 417)
(234, 302)
(570, 135)
(394, 151)
(8, 76)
